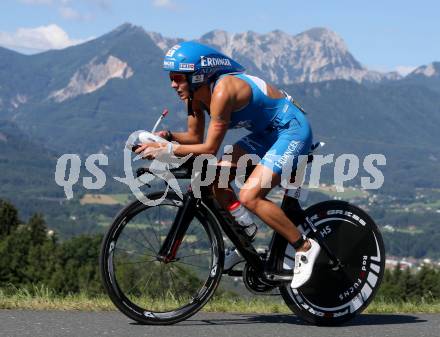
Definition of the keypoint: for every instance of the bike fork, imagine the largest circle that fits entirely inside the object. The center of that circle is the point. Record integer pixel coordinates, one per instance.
(171, 244)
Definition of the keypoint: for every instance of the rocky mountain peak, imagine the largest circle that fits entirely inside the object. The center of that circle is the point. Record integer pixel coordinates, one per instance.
(320, 33)
(430, 70)
(315, 55)
(216, 34)
(126, 30)
(318, 54)
(325, 37)
(127, 27)
(162, 42)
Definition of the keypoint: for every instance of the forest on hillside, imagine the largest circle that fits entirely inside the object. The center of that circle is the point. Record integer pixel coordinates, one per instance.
(32, 255)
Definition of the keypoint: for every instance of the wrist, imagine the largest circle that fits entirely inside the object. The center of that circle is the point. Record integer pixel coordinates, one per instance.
(170, 148)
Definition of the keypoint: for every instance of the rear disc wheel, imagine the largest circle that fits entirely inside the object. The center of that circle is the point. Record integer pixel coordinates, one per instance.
(335, 295)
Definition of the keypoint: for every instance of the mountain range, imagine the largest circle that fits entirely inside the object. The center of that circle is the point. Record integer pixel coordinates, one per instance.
(316, 55)
(88, 98)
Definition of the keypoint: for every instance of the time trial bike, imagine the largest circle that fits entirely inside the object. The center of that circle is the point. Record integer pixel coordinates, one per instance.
(161, 264)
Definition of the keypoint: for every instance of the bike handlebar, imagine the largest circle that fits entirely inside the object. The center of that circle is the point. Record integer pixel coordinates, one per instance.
(185, 170)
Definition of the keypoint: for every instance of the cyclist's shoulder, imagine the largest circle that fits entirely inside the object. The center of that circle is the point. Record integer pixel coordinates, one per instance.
(241, 81)
(230, 84)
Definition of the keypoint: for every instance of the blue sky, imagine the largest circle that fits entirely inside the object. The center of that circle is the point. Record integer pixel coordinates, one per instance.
(382, 35)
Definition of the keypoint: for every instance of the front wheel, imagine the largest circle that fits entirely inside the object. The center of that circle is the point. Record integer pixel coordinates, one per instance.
(335, 295)
(145, 287)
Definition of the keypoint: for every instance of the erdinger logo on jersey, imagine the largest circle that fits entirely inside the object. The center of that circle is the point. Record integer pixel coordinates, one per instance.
(292, 151)
(214, 61)
(173, 49)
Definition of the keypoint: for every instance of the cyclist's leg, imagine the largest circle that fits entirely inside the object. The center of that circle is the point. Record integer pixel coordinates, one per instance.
(293, 140)
(253, 144)
(226, 195)
(253, 197)
(282, 149)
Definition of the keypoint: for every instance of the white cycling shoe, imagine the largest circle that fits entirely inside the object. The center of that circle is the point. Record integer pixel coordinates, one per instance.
(304, 262)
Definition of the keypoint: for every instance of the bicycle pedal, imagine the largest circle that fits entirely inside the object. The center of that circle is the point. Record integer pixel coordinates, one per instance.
(286, 276)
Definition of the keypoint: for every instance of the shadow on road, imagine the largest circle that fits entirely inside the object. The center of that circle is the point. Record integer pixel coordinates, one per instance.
(384, 319)
(370, 319)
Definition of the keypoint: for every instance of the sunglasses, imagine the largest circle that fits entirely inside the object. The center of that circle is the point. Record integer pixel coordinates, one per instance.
(177, 77)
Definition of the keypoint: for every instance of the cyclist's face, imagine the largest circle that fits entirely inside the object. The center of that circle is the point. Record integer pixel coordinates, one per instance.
(180, 84)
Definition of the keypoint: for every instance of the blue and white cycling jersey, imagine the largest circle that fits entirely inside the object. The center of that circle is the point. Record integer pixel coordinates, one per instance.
(280, 132)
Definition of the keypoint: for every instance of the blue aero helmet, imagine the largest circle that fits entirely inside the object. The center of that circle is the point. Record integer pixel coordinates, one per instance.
(201, 64)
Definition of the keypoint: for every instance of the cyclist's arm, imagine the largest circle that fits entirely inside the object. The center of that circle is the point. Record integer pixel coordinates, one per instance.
(221, 107)
(196, 128)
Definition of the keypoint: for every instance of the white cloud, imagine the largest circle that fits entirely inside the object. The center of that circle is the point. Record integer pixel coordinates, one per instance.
(37, 2)
(66, 10)
(69, 13)
(164, 4)
(103, 4)
(405, 70)
(38, 38)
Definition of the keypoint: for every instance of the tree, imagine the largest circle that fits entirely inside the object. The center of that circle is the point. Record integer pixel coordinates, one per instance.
(428, 282)
(8, 218)
(78, 266)
(38, 229)
(14, 250)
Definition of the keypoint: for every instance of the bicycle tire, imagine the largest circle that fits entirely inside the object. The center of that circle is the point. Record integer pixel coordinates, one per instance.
(332, 297)
(126, 241)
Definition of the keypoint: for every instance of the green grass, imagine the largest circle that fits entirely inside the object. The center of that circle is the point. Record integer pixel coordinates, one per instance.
(41, 298)
(349, 192)
(123, 199)
(432, 205)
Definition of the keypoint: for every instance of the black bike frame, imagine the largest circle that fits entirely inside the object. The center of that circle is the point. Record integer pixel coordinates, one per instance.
(233, 230)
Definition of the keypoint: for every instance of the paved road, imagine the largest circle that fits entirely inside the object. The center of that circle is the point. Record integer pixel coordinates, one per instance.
(90, 324)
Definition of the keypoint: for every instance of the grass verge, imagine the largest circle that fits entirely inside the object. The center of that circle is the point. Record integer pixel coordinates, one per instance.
(44, 299)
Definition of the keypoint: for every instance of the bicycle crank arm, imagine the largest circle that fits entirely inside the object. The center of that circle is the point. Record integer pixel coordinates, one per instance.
(274, 277)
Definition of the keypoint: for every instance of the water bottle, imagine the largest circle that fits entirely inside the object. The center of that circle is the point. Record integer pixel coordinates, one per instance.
(243, 218)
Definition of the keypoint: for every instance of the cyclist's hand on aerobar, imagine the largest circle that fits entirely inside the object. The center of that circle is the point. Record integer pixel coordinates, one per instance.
(165, 134)
(154, 150)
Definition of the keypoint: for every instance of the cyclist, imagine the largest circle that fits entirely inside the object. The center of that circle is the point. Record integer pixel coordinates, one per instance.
(210, 81)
